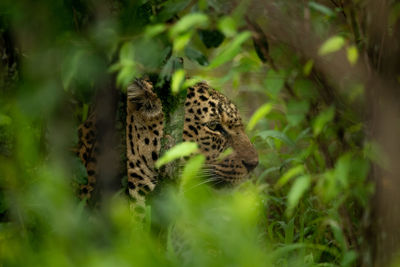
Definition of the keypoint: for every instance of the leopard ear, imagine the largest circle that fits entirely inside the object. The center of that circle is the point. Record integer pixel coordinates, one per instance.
(142, 99)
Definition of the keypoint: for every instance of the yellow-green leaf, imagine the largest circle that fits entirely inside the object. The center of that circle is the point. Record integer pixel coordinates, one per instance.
(227, 25)
(260, 113)
(224, 154)
(181, 41)
(187, 22)
(180, 150)
(299, 187)
(352, 54)
(192, 168)
(177, 80)
(293, 172)
(154, 30)
(308, 67)
(322, 119)
(331, 45)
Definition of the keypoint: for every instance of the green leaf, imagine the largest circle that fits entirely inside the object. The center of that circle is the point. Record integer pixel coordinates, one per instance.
(190, 82)
(305, 89)
(196, 55)
(171, 8)
(177, 80)
(394, 14)
(227, 25)
(181, 41)
(299, 187)
(274, 82)
(296, 111)
(293, 172)
(149, 53)
(308, 67)
(342, 169)
(322, 119)
(321, 8)
(154, 30)
(85, 112)
(70, 68)
(278, 135)
(231, 50)
(192, 168)
(331, 45)
(180, 150)
(187, 22)
(352, 54)
(126, 65)
(338, 234)
(260, 113)
(224, 154)
(173, 64)
(349, 258)
(289, 232)
(5, 120)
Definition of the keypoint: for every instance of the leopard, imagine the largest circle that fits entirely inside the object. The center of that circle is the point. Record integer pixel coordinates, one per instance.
(210, 119)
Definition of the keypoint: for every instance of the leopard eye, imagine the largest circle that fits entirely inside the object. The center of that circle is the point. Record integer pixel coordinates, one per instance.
(216, 127)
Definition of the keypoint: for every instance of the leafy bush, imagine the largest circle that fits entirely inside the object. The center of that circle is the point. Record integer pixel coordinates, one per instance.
(303, 206)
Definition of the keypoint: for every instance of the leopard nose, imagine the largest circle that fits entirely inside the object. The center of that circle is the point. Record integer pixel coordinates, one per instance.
(250, 165)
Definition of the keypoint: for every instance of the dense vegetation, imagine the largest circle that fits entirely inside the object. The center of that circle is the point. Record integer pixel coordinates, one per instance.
(316, 83)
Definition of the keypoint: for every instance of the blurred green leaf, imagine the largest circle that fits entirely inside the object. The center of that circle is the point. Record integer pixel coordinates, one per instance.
(338, 233)
(352, 54)
(321, 8)
(180, 150)
(260, 113)
(181, 41)
(85, 112)
(289, 232)
(394, 14)
(278, 135)
(227, 25)
(5, 120)
(171, 8)
(173, 64)
(322, 119)
(230, 51)
(192, 168)
(305, 89)
(125, 66)
(349, 258)
(331, 45)
(225, 154)
(308, 67)
(342, 170)
(291, 173)
(150, 53)
(187, 22)
(177, 80)
(299, 187)
(154, 30)
(296, 111)
(274, 82)
(196, 55)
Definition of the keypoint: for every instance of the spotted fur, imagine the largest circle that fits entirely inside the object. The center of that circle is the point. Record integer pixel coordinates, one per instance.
(211, 120)
(144, 130)
(87, 148)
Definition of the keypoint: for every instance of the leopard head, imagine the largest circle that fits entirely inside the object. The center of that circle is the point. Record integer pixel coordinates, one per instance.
(214, 123)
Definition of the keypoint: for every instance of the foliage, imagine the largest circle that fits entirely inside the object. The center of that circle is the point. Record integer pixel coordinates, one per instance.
(304, 204)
